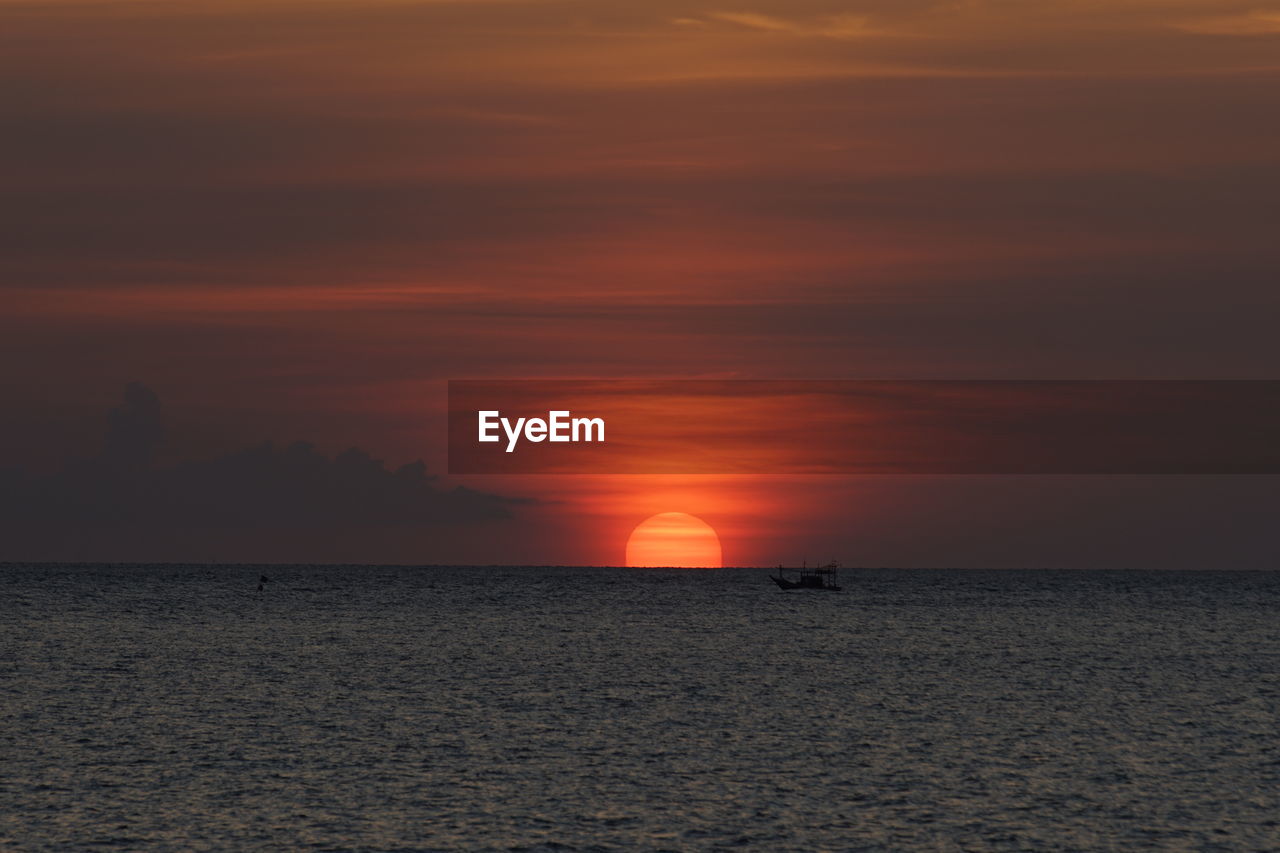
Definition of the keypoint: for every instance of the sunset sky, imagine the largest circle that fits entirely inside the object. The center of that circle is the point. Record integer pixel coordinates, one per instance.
(296, 220)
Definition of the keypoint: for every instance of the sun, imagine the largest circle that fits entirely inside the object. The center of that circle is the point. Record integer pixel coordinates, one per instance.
(674, 539)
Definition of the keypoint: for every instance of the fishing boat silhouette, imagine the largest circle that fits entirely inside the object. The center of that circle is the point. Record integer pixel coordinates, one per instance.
(821, 577)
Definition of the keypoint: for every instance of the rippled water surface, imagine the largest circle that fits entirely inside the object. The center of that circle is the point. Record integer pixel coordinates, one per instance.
(368, 708)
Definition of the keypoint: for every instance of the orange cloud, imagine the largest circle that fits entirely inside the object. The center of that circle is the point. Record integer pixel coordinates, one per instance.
(828, 26)
(1253, 23)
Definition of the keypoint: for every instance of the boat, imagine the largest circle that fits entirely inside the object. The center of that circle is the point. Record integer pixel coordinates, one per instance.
(821, 577)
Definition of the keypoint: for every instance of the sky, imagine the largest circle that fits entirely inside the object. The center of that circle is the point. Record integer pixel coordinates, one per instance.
(294, 220)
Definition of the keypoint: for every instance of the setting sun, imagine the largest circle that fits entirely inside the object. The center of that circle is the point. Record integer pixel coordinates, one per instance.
(674, 539)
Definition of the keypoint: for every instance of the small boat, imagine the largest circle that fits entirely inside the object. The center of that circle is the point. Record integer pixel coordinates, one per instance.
(823, 577)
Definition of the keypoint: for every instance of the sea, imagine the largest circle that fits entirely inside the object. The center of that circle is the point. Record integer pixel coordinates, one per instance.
(397, 708)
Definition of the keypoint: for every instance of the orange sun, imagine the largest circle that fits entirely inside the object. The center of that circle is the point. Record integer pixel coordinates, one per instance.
(674, 539)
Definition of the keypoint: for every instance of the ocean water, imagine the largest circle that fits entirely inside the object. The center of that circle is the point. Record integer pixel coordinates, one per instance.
(396, 708)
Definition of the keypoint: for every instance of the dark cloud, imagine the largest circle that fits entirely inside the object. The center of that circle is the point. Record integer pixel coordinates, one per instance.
(286, 502)
(135, 430)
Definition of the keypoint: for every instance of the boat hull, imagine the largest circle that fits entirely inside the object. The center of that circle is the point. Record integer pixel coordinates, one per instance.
(783, 583)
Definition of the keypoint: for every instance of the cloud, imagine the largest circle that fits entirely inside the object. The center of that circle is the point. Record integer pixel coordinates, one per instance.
(829, 26)
(134, 430)
(755, 21)
(265, 502)
(1258, 22)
